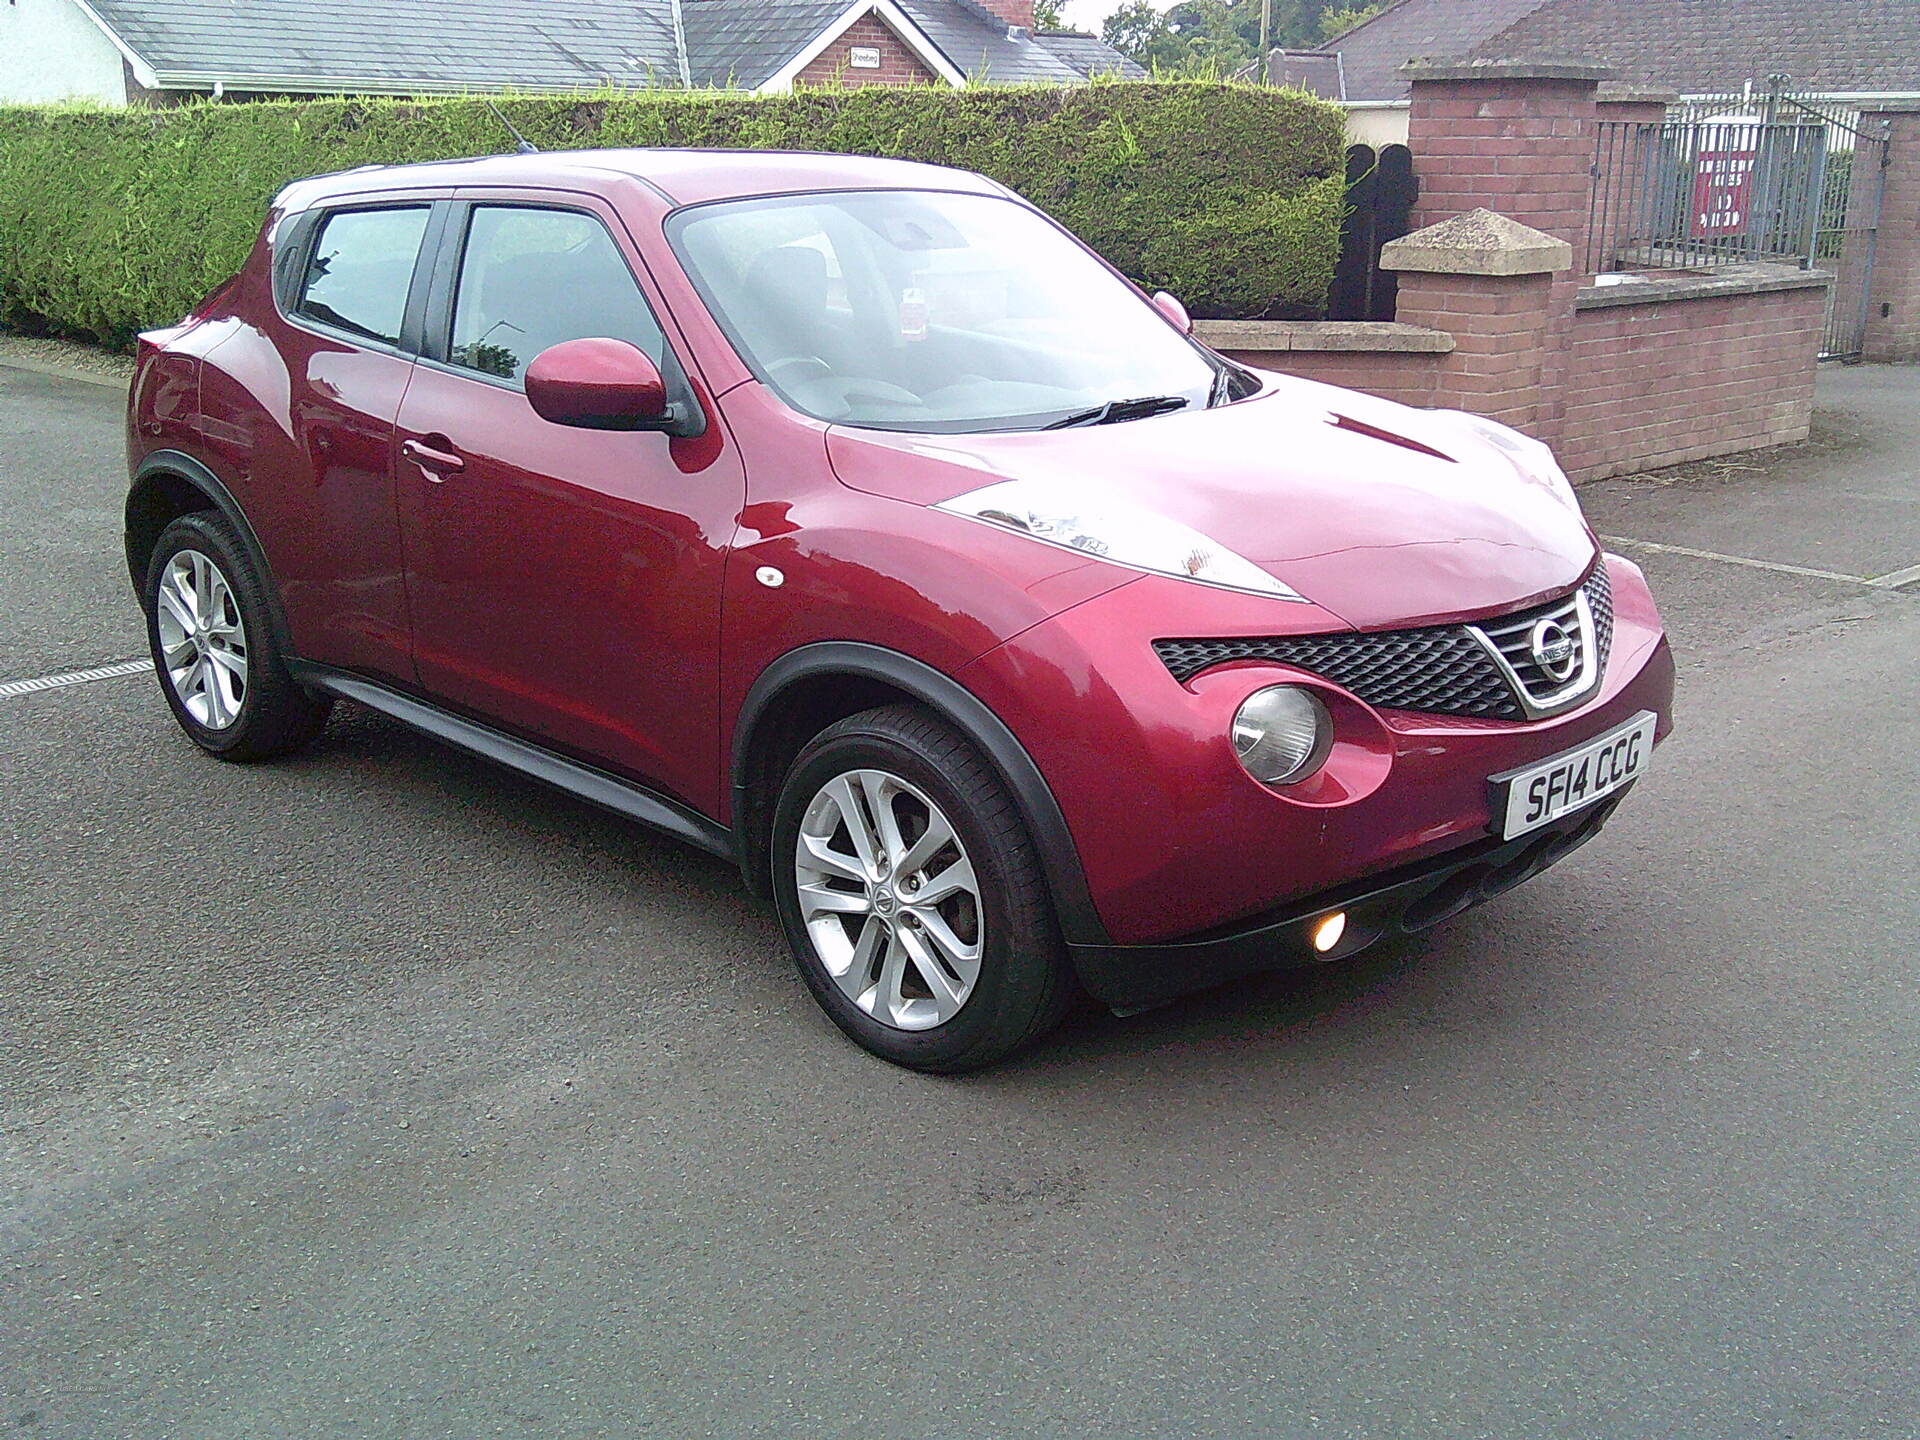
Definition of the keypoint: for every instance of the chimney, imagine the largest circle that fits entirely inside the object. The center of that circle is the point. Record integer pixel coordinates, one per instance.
(1017, 13)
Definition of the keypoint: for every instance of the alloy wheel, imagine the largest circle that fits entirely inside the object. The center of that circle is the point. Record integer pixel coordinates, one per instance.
(889, 899)
(203, 641)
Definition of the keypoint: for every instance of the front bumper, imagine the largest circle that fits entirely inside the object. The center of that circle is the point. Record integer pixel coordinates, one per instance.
(1174, 839)
(1401, 902)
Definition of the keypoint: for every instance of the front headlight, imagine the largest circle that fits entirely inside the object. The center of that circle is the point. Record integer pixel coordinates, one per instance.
(1282, 734)
(1116, 531)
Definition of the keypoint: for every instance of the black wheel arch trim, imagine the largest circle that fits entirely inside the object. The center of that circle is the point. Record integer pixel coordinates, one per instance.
(1080, 922)
(196, 473)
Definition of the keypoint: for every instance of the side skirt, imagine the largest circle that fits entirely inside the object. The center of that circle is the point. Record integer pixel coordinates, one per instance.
(606, 790)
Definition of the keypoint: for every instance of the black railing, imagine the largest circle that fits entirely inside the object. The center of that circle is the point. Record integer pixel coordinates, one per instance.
(1706, 192)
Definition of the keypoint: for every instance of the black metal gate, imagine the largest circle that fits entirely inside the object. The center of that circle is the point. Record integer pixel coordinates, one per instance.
(1852, 188)
(1381, 189)
(1821, 175)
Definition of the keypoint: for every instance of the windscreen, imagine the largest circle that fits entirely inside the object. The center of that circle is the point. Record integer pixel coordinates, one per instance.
(912, 310)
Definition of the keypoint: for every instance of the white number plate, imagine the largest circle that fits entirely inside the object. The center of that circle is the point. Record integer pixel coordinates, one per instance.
(1540, 794)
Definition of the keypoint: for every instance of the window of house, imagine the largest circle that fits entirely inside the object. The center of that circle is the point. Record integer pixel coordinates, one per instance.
(532, 278)
(361, 269)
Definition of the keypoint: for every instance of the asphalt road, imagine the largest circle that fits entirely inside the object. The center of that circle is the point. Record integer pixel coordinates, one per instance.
(379, 1093)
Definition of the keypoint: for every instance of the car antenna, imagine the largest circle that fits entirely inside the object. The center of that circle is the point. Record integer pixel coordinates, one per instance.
(521, 142)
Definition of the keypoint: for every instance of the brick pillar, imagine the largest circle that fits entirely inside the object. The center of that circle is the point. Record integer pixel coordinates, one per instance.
(1632, 104)
(1623, 218)
(1516, 138)
(1490, 282)
(1893, 306)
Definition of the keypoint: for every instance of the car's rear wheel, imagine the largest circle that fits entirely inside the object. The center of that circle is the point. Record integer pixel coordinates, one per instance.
(910, 892)
(213, 649)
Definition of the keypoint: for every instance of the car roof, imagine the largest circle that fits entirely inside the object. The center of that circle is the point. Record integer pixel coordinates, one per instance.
(682, 177)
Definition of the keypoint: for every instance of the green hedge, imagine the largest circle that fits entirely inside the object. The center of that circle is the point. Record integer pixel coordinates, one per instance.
(1227, 195)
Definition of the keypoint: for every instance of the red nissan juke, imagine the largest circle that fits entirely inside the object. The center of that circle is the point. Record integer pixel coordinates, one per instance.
(849, 519)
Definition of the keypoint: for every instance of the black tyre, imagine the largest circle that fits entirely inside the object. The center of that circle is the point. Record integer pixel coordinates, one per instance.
(213, 645)
(911, 894)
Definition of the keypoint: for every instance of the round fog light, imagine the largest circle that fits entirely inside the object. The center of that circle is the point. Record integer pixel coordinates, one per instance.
(1282, 734)
(1326, 934)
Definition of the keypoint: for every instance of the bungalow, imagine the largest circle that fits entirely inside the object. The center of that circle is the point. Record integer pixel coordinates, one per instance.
(158, 51)
(1848, 51)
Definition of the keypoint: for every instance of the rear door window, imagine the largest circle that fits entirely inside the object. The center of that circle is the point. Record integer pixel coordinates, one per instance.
(360, 270)
(531, 278)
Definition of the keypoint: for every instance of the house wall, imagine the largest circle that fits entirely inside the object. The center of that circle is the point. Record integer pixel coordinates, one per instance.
(1376, 124)
(898, 65)
(50, 50)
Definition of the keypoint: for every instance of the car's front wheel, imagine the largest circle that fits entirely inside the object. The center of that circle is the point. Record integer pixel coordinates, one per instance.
(213, 646)
(911, 894)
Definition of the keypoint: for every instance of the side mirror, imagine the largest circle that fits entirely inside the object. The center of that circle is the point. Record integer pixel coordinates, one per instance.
(1170, 306)
(599, 384)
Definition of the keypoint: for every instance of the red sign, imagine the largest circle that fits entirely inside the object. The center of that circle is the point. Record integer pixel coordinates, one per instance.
(1722, 193)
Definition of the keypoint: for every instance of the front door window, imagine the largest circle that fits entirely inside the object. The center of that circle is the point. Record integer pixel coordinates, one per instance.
(533, 278)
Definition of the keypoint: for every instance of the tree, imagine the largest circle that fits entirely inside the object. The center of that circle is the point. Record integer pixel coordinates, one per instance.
(1335, 22)
(1047, 16)
(1136, 29)
(1218, 34)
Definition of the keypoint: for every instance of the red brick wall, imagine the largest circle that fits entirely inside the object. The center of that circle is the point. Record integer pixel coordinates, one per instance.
(1895, 335)
(834, 65)
(1523, 148)
(1630, 112)
(1650, 384)
(1616, 387)
(1408, 378)
(1504, 342)
(1629, 150)
(1680, 380)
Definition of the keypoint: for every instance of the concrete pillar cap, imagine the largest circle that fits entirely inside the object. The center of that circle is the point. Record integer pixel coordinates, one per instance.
(1495, 69)
(1622, 92)
(1479, 242)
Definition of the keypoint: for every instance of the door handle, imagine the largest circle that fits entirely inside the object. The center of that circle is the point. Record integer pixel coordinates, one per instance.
(436, 462)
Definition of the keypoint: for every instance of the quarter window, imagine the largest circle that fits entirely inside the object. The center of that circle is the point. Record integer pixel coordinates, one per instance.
(361, 269)
(533, 278)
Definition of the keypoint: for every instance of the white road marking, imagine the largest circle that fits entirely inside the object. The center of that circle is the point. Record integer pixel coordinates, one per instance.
(1881, 582)
(1898, 578)
(76, 677)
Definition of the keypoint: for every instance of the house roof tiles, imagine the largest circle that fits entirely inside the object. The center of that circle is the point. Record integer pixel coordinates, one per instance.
(433, 45)
(1702, 47)
(1371, 54)
(1694, 46)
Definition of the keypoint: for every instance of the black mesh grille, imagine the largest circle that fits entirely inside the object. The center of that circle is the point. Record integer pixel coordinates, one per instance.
(1439, 669)
(1600, 601)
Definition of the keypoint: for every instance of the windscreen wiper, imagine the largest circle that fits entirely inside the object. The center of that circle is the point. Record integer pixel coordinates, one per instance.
(1117, 410)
